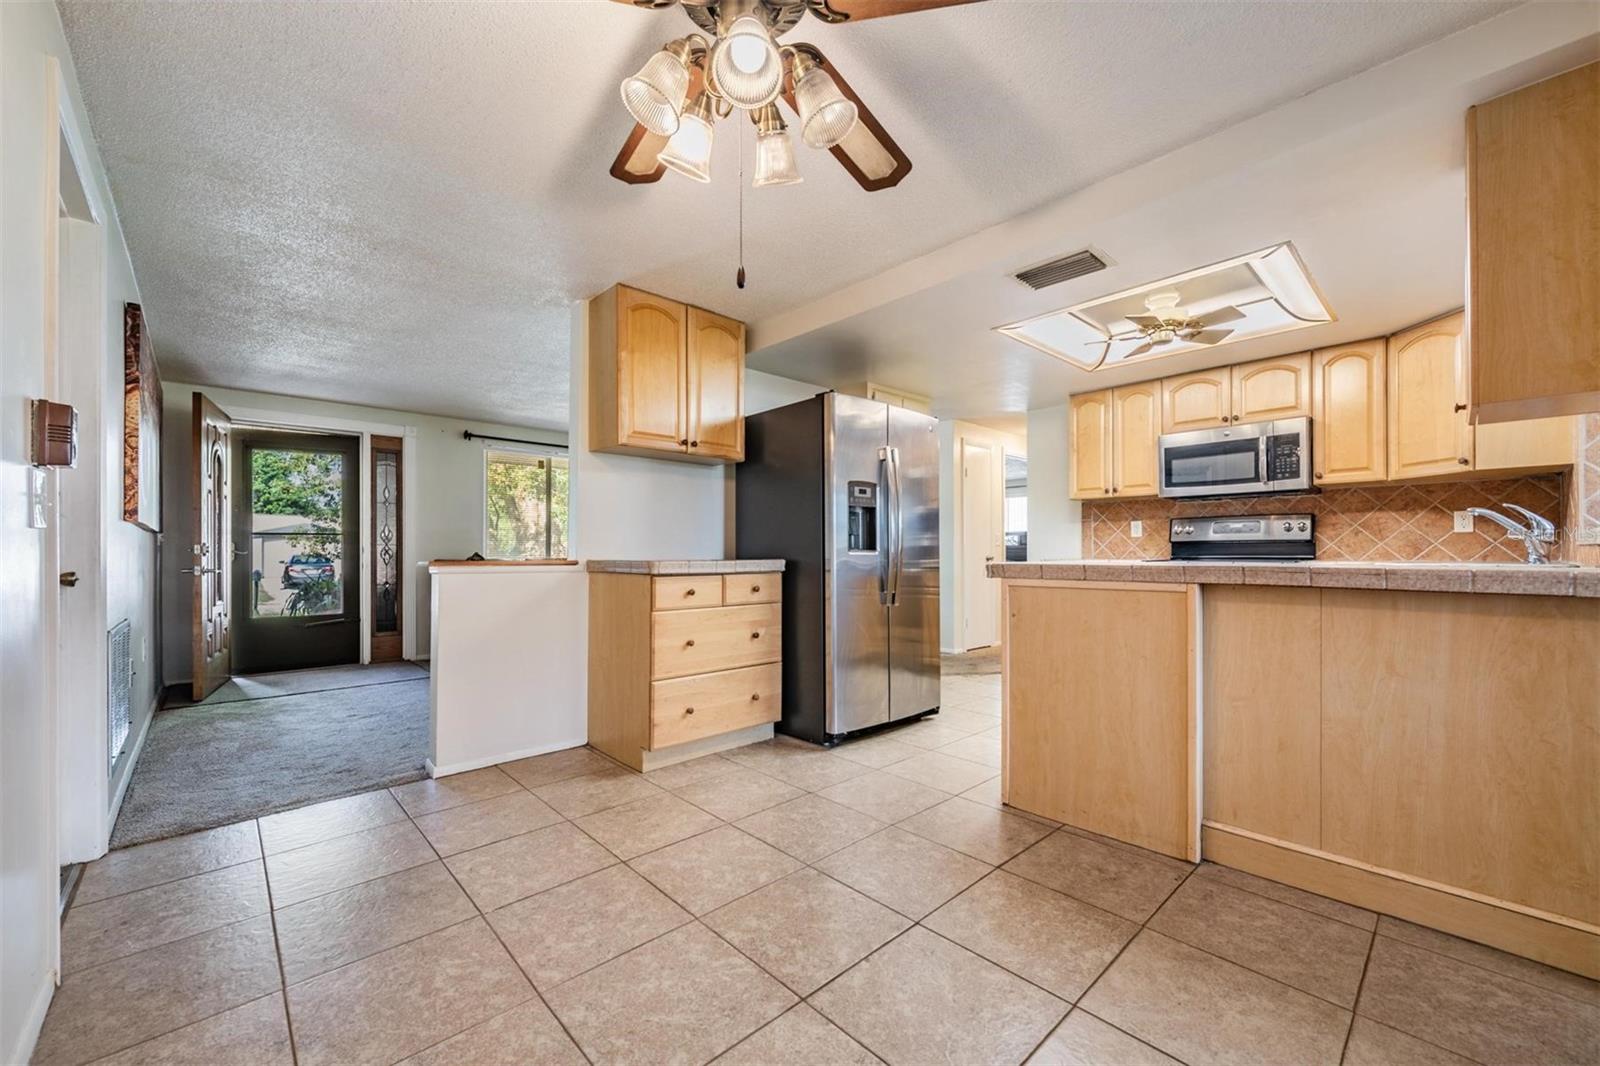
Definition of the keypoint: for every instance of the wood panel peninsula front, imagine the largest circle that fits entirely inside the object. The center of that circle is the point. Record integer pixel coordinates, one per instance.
(1423, 741)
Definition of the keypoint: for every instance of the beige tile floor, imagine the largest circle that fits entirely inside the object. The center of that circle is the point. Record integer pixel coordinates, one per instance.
(777, 904)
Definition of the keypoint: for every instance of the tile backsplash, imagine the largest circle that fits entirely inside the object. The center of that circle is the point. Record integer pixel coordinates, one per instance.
(1384, 523)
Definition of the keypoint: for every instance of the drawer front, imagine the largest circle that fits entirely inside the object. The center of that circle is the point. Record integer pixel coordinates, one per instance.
(722, 638)
(679, 593)
(751, 588)
(706, 705)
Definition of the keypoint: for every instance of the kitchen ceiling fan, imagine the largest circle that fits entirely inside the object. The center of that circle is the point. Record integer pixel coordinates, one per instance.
(1166, 323)
(737, 64)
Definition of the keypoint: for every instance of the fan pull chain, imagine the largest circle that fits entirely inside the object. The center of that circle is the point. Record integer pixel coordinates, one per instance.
(739, 277)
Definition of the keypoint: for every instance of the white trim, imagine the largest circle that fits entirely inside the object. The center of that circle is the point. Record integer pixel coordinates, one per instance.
(137, 749)
(510, 756)
(33, 1022)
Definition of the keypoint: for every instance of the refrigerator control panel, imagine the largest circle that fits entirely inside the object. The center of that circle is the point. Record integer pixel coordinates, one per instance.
(863, 516)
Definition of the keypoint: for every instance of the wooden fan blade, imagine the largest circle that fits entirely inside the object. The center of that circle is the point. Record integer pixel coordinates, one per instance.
(860, 10)
(1221, 315)
(1210, 336)
(867, 151)
(639, 162)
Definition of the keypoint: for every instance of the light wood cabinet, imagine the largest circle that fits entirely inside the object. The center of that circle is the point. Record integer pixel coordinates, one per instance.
(715, 387)
(1271, 388)
(1134, 432)
(1429, 434)
(1533, 193)
(1201, 400)
(679, 666)
(665, 379)
(1349, 426)
(1091, 445)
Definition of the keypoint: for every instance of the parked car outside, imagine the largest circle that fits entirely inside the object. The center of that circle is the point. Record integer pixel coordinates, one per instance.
(301, 569)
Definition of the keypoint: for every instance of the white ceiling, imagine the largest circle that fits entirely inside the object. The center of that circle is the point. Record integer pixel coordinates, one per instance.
(397, 204)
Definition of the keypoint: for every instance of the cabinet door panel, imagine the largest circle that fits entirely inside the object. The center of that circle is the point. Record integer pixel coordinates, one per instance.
(1272, 388)
(1196, 401)
(1091, 445)
(652, 368)
(1134, 431)
(1429, 434)
(715, 387)
(1348, 424)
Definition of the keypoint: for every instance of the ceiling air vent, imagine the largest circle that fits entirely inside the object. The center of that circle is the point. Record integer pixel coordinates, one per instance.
(1056, 271)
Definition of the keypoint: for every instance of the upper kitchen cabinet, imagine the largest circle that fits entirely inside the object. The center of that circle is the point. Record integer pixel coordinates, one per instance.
(1200, 400)
(1533, 186)
(1428, 431)
(665, 379)
(1134, 430)
(1091, 445)
(1272, 388)
(1348, 430)
(715, 386)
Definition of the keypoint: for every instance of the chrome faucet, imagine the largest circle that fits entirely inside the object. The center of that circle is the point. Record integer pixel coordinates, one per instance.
(1534, 536)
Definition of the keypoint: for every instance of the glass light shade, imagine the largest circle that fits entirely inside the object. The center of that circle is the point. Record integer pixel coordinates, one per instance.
(826, 115)
(654, 96)
(745, 64)
(775, 159)
(689, 150)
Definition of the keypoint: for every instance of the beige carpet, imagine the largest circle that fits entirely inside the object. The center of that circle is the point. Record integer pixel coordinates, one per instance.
(982, 661)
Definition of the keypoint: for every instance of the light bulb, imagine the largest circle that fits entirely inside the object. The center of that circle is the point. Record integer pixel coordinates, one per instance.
(689, 150)
(745, 66)
(654, 96)
(826, 115)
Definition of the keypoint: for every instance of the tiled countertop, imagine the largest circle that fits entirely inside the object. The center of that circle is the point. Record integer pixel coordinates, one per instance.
(1508, 578)
(683, 566)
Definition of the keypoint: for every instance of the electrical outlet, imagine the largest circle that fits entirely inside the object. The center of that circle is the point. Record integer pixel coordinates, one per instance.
(1463, 522)
(1136, 528)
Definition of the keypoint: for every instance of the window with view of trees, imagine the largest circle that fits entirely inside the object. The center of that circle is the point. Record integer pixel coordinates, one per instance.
(525, 505)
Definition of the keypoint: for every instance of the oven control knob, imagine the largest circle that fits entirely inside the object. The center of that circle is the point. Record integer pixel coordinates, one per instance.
(1288, 527)
(1301, 527)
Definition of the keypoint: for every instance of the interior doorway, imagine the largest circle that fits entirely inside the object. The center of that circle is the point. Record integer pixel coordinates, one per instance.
(1016, 508)
(295, 569)
(980, 545)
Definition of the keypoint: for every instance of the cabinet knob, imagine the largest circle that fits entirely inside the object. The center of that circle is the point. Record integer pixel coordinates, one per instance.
(1464, 461)
(688, 644)
(1318, 475)
(755, 588)
(694, 444)
(688, 592)
(755, 697)
(684, 441)
(756, 635)
(1461, 407)
(688, 710)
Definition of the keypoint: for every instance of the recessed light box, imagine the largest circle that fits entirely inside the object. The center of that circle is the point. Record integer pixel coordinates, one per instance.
(1253, 295)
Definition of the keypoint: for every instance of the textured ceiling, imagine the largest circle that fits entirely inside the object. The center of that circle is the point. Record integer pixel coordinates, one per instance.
(396, 204)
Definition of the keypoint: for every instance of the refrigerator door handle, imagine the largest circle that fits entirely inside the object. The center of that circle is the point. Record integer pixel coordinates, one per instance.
(884, 557)
(897, 554)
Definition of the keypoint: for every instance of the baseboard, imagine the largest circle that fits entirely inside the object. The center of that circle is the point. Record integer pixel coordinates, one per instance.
(133, 764)
(1552, 939)
(435, 770)
(33, 1022)
(655, 760)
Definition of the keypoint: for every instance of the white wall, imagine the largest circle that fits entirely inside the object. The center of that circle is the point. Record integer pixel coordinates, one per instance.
(446, 484)
(115, 560)
(1055, 520)
(951, 435)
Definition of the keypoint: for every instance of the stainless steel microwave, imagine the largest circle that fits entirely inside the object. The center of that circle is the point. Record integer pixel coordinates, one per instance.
(1252, 458)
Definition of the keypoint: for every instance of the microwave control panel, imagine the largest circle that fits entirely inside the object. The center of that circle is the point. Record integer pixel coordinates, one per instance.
(1283, 457)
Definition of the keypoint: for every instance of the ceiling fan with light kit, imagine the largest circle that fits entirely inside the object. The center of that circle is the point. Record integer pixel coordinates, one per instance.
(737, 64)
(1167, 323)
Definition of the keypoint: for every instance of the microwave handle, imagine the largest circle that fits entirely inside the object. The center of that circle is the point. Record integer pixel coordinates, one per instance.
(1261, 457)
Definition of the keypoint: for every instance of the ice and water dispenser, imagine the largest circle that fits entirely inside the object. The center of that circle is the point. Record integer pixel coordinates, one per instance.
(863, 516)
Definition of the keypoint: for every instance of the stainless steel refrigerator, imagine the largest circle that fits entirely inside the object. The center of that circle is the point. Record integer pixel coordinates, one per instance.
(846, 490)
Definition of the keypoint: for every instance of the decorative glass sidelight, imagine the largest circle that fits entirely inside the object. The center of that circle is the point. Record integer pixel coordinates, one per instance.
(386, 541)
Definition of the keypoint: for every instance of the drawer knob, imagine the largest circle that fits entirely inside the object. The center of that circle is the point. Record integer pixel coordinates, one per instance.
(688, 592)
(688, 644)
(755, 697)
(688, 710)
(756, 635)
(755, 588)
(1464, 461)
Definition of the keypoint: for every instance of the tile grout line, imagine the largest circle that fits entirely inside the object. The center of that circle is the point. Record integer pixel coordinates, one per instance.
(1487, 969)
(277, 951)
(1366, 963)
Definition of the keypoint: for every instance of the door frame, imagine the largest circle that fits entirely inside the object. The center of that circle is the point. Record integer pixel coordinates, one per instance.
(967, 558)
(268, 418)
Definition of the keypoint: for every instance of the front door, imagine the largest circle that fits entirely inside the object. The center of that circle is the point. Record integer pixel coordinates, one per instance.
(296, 572)
(213, 541)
